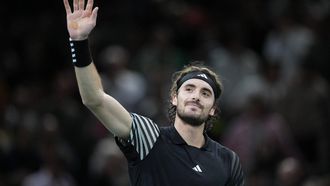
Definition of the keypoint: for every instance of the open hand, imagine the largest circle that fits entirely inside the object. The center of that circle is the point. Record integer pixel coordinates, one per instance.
(82, 20)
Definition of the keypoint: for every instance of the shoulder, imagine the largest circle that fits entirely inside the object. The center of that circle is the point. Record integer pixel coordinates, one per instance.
(225, 154)
(220, 149)
(231, 160)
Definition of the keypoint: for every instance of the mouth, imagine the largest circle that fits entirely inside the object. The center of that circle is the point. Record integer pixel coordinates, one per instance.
(194, 104)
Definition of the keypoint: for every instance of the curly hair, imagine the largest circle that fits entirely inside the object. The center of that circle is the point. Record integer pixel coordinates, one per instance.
(193, 67)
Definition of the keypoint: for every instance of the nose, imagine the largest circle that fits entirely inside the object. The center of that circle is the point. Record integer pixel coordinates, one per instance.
(195, 96)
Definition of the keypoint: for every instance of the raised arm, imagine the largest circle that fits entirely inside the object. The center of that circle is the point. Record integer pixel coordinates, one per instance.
(80, 22)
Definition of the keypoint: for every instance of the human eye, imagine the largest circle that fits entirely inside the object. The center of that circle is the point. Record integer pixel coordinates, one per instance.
(206, 93)
(188, 89)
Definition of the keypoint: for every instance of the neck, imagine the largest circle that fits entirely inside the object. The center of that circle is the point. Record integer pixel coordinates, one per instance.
(192, 135)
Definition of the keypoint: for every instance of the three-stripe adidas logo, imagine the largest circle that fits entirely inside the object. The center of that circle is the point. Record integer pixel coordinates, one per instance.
(202, 75)
(197, 168)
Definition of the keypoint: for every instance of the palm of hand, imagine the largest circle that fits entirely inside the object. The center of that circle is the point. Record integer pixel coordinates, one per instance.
(80, 24)
(81, 20)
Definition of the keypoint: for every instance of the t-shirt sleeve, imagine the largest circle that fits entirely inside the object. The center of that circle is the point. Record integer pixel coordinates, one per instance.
(237, 174)
(143, 135)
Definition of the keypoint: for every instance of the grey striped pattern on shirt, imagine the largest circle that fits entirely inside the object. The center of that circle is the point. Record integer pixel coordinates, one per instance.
(143, 135)
(237, 174)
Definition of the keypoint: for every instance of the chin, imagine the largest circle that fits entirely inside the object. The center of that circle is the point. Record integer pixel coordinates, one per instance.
(192, 120)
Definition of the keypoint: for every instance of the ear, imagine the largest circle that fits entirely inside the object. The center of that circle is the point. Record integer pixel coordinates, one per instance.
(212, 111)
(174, 100)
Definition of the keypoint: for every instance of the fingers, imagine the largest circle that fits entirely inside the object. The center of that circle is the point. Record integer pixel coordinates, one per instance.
(89, 6)
(75, 5)
(81, 4)
(67, 7)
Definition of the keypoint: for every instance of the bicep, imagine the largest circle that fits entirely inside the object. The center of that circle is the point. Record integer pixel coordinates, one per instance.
(113, 116)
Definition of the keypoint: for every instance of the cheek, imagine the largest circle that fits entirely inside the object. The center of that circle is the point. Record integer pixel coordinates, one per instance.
(210, 107)
(179, 98)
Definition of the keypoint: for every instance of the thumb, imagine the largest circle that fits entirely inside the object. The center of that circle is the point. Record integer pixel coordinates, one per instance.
(94, 13)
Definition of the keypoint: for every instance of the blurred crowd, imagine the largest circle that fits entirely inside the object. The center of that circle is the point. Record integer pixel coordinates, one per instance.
(273, 57)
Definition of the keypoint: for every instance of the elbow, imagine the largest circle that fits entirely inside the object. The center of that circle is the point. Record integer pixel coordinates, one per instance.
(92, 102)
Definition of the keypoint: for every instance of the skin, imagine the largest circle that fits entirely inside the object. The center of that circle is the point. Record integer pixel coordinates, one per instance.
(195, 97)
(80, 22)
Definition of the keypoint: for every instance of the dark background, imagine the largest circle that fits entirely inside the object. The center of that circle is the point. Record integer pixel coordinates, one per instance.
(285, 42)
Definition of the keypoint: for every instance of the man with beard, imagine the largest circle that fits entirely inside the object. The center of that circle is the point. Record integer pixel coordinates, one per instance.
(181, 154)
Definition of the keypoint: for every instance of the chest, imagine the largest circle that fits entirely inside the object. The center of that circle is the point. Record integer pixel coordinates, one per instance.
(185, 165)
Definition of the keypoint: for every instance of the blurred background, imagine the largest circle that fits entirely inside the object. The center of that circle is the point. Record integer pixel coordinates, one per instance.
(272, 55)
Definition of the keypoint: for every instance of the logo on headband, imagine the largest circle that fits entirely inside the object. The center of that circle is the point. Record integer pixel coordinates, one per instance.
(202, 75)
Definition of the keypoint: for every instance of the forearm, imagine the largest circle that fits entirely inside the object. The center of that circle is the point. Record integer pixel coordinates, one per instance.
(80, 22)
(113, 116)
(90, 86)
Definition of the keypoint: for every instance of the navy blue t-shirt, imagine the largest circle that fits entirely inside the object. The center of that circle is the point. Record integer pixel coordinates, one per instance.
(160, 157)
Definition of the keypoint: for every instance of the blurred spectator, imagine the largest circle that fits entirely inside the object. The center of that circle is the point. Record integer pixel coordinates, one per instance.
(22, 110)
(20, 120)
(267, 83)
(287, 43)
(5, 137)
(290, 172)
(126, 85)
(56, 157)
(319, 53)
(159, 54)
(22, 158)
(306, 108)
(322, 180)
(261, 138)
(156, 59)
(36, 76)
(234, 62)
(108, 166)
(52, 171)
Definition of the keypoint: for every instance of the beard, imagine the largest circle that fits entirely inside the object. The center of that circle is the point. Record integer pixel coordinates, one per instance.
(194, 121)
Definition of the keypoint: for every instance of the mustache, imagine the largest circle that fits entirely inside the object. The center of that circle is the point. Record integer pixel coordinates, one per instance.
(194, 103)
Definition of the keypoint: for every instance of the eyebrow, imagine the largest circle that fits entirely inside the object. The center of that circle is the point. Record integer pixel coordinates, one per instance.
(204, 88)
